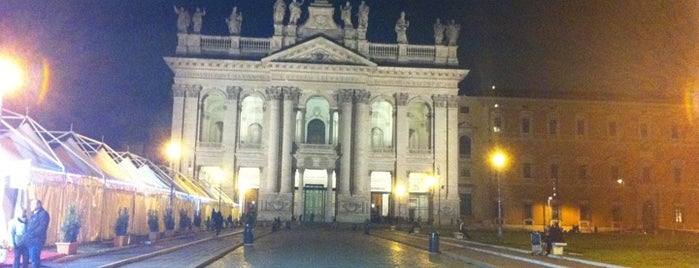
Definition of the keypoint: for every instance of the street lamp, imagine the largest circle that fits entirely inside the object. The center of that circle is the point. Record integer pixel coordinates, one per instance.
(12, 76)
(220, 177)
(499, 161)
(173, 151)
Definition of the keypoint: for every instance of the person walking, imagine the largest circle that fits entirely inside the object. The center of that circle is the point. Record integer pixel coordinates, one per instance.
(35, 231)
(17, 230)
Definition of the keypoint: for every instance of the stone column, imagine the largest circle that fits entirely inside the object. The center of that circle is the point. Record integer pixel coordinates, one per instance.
(344, 97)
(230, 137)
(189, 130)
(402, 149)
(331, 126)
(300, 193)
(452, 168)
(178, 93)
(291, 97)
(439, 150)
(329, 197)
(361, 145)
(303, 126)
(272, 130)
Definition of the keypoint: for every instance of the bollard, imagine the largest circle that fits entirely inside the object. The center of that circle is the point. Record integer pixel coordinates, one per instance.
(434, 242)
(247, 234)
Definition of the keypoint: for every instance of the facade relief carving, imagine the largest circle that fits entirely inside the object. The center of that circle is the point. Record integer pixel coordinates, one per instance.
(345, 95)
(233, 92)
(274, 92)
(362, 96)
(440, 100)
(291, 93)
(192, 91)
(401, 98)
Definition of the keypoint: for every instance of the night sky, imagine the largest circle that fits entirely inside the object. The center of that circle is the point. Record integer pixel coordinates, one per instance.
(109, 81)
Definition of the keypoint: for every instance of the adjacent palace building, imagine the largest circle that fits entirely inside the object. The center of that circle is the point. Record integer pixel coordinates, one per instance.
(317, 123)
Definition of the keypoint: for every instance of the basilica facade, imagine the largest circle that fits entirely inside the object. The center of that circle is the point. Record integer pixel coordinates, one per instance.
(318, 123)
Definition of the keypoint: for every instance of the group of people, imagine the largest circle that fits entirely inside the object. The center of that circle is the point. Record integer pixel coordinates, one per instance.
(28, 235)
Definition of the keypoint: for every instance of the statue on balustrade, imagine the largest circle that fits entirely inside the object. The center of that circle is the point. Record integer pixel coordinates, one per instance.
(363, 12)
(402, 28)
(198, 19)
(279, 9)
(439, 32)
(183, 20)
(294, 11)
(235, 20)
(453, 32)
(347, 15)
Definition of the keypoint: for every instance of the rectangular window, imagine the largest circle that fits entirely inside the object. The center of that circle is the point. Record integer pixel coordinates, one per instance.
(497, 124)
(553, 127)
(643, 129)
(554, 171)
(464, 109)
(526, 126)
(677, 174)
(465, 205)
(617, 213)
(580, 127)
(582, 172)
(527, 170)
(528, 211)
(466, 173)
(612, 129)
(585, 214)
(678, 215)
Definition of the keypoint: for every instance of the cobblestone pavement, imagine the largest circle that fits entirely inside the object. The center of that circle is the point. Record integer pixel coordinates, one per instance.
(322, 247)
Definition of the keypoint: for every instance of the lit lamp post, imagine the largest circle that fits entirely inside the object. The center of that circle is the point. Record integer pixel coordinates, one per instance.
(220, 177)
(499, 160)
(173, 151)
(242, 188)
(12, 77)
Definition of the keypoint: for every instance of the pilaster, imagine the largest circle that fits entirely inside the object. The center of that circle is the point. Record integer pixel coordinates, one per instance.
(361, 146)
(189, 130)
(230, 139)
(344, 97)
(291, 97)
(402, 149)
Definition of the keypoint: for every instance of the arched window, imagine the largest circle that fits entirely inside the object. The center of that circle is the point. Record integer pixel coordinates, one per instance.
(251, 113)
(254, 134)
(211, 117)
(381, 124)
(377, 138)
(420, 125)
(316, 132)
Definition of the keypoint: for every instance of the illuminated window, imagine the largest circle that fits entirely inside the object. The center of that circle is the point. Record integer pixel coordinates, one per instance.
(678, 215)
(497, 124)
(526, 126)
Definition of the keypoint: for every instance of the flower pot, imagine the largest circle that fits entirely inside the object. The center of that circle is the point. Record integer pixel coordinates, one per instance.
(68, 248)
(153, 236)
(121, 240)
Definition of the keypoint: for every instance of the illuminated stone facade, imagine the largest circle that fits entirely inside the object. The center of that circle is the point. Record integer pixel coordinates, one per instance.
(318, 122)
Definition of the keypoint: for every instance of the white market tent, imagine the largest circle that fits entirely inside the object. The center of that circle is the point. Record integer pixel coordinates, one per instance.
(64, 168)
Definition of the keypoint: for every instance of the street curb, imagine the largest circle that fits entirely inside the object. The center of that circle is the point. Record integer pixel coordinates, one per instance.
(160, 252)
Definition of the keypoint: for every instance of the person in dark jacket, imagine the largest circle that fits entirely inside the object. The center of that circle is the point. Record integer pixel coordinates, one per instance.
(36, 231)
(555, 235)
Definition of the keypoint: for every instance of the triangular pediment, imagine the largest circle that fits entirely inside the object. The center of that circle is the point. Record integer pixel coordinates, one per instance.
(319, 50)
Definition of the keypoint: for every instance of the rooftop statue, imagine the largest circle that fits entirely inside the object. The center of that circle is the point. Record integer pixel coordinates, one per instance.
(439, 32)
(234, 21)
(183, 20)
(453, 32)
(347, 15)
(279, 9)
(294, 11)
(401, 29)
(197, 19)
(363, 15)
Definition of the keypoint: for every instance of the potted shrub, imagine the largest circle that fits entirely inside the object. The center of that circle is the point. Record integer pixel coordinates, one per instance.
(185, 221)
(169, 221)
(69, 232)
(153, 225)
(121, 227)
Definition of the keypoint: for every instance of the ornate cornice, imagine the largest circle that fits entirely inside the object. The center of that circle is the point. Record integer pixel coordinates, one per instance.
(178, 90)
(186, 90)
(193, 91)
